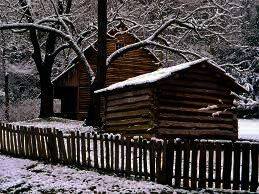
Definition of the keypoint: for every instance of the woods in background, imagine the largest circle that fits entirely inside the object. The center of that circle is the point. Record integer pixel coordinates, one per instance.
(177, 31)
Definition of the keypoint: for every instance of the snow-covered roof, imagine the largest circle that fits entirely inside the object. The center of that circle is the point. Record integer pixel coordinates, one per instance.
(64, 72)
(161, 74)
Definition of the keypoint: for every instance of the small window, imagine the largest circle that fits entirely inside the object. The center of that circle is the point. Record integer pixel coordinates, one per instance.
(119, 45)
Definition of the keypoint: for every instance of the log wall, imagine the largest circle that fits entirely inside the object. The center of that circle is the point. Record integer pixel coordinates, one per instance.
(130, 112)
(184, 101)
(131, 64)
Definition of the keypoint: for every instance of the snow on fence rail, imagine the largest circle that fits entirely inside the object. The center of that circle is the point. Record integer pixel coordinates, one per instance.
(188, 164)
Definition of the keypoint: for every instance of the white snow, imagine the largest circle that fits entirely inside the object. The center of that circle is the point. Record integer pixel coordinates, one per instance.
(210, 107)
(26, 176)
(2, 93)
(65, 71)
(160, 74)
(65, 125)
(249, 129)
(151, 77)
(216, 114)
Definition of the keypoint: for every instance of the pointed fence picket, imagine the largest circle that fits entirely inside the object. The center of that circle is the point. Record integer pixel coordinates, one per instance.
(181, 163)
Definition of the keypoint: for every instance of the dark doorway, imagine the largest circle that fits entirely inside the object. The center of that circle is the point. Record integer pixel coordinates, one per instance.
(69, 101)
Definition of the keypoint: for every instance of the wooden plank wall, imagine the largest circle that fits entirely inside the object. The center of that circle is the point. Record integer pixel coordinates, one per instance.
(183, 101)
(129, 112)
(182, 164)
(83, 90)
(131, 64)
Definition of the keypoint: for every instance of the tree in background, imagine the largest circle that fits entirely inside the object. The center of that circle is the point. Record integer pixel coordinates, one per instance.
(171, 27)
(44, 63)
(6, 76)
(94, 112)
(45, 40)
(242, 61)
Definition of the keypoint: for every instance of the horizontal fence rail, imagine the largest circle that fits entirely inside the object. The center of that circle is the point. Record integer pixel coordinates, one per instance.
(179, 163)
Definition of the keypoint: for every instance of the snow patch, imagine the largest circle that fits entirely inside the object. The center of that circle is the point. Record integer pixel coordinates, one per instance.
(249, 129)
(210, 107)
(26, 176)
(2, 94)
(216, 114)
(64, 125)
(161, 74)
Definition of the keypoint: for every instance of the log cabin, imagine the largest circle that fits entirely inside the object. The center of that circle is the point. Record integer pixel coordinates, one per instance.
(191, 100)
(71, 87)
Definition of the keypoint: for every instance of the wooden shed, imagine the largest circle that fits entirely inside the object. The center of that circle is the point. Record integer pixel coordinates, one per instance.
(188, 100)
(71, 87)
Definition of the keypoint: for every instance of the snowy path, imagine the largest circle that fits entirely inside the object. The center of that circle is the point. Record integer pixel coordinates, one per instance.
(21, 175)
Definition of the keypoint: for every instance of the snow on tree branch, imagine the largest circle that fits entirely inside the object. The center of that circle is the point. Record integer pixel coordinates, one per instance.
(173, 24)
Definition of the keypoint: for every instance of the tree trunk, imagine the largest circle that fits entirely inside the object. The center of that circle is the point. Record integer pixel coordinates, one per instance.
(6, 79)
(7, 99)
(94, 112)
(46, 95)
(44, 67)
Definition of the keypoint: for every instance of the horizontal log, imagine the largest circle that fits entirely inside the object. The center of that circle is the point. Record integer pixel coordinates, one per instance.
(193, 125)
(130, 107)
(123, 74)
(194, 84)
(130, 68)
(129, 94)
(192, 118)
(127, 129)
(139, 54)
(172, 102)
(111, 117)
(143, 64)
(125, 123)
(192, 111)
(213, 133)
(196, 90)
(130, 100)
(197, 97)
(142, 113)
(129, 121)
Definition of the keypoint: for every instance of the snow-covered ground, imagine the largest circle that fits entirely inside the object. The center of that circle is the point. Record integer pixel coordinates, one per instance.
(249, 129)
(22, 175)
(64, 125)
(26, 176)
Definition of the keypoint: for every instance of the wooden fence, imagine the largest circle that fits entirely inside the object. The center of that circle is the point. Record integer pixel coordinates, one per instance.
(182, 164)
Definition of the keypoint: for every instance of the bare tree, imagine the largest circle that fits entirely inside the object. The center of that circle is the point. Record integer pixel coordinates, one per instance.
(173, 27)
(6, 77)
(94, 117)
(45, 63)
